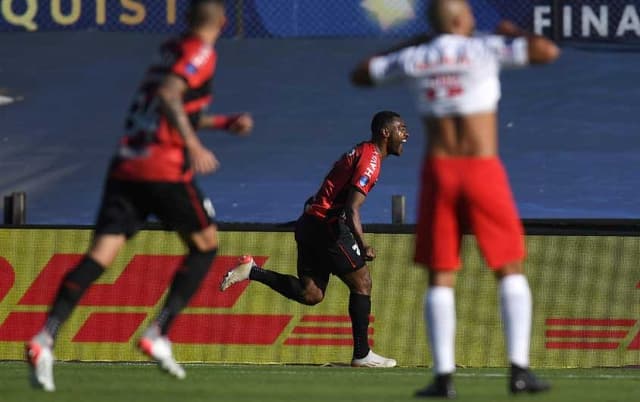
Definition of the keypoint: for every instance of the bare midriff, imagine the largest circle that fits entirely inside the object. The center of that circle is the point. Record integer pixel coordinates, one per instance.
(470, 136)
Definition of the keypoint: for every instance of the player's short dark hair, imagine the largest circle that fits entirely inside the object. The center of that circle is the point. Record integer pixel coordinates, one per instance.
(381, 120)
(194, 18)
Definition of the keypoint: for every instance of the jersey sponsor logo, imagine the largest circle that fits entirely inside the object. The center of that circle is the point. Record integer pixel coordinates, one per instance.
(370, 171)
(201, 57)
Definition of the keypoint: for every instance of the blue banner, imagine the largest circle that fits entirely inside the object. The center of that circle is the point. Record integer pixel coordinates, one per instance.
(584, 20)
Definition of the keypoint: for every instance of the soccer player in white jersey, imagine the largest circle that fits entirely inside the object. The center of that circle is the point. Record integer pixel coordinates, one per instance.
(454, 77)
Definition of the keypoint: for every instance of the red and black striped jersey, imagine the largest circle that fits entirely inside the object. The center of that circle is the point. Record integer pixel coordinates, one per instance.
(152, 149)
(358, 169)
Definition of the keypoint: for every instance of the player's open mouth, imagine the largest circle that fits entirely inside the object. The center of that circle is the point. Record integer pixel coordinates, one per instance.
(404, 141)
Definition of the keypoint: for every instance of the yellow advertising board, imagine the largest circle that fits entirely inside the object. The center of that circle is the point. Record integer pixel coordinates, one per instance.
(586, 302)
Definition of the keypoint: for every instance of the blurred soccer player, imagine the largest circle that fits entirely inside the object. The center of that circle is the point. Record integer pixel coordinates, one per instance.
(330, 239)
(153, 173)
(454, 76)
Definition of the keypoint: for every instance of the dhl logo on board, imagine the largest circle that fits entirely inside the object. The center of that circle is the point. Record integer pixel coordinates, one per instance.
(585, 288)
(142, 284)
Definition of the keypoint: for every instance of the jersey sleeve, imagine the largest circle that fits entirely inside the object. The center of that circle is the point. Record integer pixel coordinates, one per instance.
(195, 65)
(391, 67)
(509, 52)
(366, 172)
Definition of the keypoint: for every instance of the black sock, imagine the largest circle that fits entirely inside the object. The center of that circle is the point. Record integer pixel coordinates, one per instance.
(73, 286)
(186, 283)
(287, 285)
(359, 310)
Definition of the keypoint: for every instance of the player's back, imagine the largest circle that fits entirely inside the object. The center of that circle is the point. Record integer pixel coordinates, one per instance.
(456, 86)
(152, 148)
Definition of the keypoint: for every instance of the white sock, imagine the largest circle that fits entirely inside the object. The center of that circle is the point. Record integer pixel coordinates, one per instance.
(515, 301)
(440, 318)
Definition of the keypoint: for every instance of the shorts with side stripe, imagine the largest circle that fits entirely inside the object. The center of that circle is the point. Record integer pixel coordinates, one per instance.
(326, 246)
(126, 205)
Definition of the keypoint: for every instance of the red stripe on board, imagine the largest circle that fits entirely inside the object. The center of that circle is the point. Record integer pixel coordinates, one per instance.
(228, 329)
(330, 318)
(568, 333)
(582, 345)
(7, 277)
(326, 330)
(618, 322)
(109, 327)
(21, 326)
(321, 342)
(151, 273)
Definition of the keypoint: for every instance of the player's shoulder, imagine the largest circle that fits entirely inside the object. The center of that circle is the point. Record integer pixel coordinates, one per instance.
(194, 49)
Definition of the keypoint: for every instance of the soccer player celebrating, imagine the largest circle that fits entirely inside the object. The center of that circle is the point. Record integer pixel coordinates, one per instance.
(454, 76)
(330, 239)
(153, 173)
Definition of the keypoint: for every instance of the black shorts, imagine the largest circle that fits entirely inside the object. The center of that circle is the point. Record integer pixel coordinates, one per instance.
(126, 205)
(326, 247)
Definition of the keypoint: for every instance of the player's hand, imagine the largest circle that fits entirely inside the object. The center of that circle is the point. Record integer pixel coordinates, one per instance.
(508, 28)
(369, 253)
(203, 161)
(242, 125)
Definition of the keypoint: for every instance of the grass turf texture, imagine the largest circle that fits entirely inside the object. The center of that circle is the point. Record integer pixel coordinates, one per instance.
(85, 382)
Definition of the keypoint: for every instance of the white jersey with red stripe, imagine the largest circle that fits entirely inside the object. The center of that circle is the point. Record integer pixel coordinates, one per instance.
(452, 74)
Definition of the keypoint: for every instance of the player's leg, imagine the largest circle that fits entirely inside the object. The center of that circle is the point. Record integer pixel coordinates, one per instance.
(500, 235)
(181, 207)
(117, 219)
(346, 261)
(438, 249)
(313, 276)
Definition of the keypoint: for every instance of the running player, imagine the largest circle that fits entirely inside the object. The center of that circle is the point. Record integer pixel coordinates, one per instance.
(454, 76)
(152, 173)
(330, 239)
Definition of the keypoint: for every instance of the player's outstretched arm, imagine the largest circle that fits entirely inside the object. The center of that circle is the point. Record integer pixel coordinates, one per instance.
(352, 210)
(170, 94)
(541, 50)
(237, 124)
(361, 76)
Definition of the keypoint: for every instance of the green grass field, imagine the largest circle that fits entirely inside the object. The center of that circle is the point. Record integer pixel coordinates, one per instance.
(123, 383)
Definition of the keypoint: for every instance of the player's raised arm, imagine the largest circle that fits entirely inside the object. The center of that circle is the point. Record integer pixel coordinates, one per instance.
(236, 124)
(170, 95)
(361, 75)
(540, 49)
(352, 210)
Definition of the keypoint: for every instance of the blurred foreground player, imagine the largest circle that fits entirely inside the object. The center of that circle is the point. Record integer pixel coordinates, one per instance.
(330, 239)
(454, 76)
(152, 173)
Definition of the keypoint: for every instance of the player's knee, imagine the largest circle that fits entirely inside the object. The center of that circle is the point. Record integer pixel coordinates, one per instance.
(363, 285)
(313, 296)
(205, 240)
(512, 268)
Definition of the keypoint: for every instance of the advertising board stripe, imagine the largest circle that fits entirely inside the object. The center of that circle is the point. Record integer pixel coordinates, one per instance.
(582, 345)
(326, 330)
(600, 322)
(109, 327)
(228, 329)
(585, 334)
(20, 326)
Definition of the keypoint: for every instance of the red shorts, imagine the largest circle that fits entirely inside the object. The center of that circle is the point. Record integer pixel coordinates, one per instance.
(466, 193)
